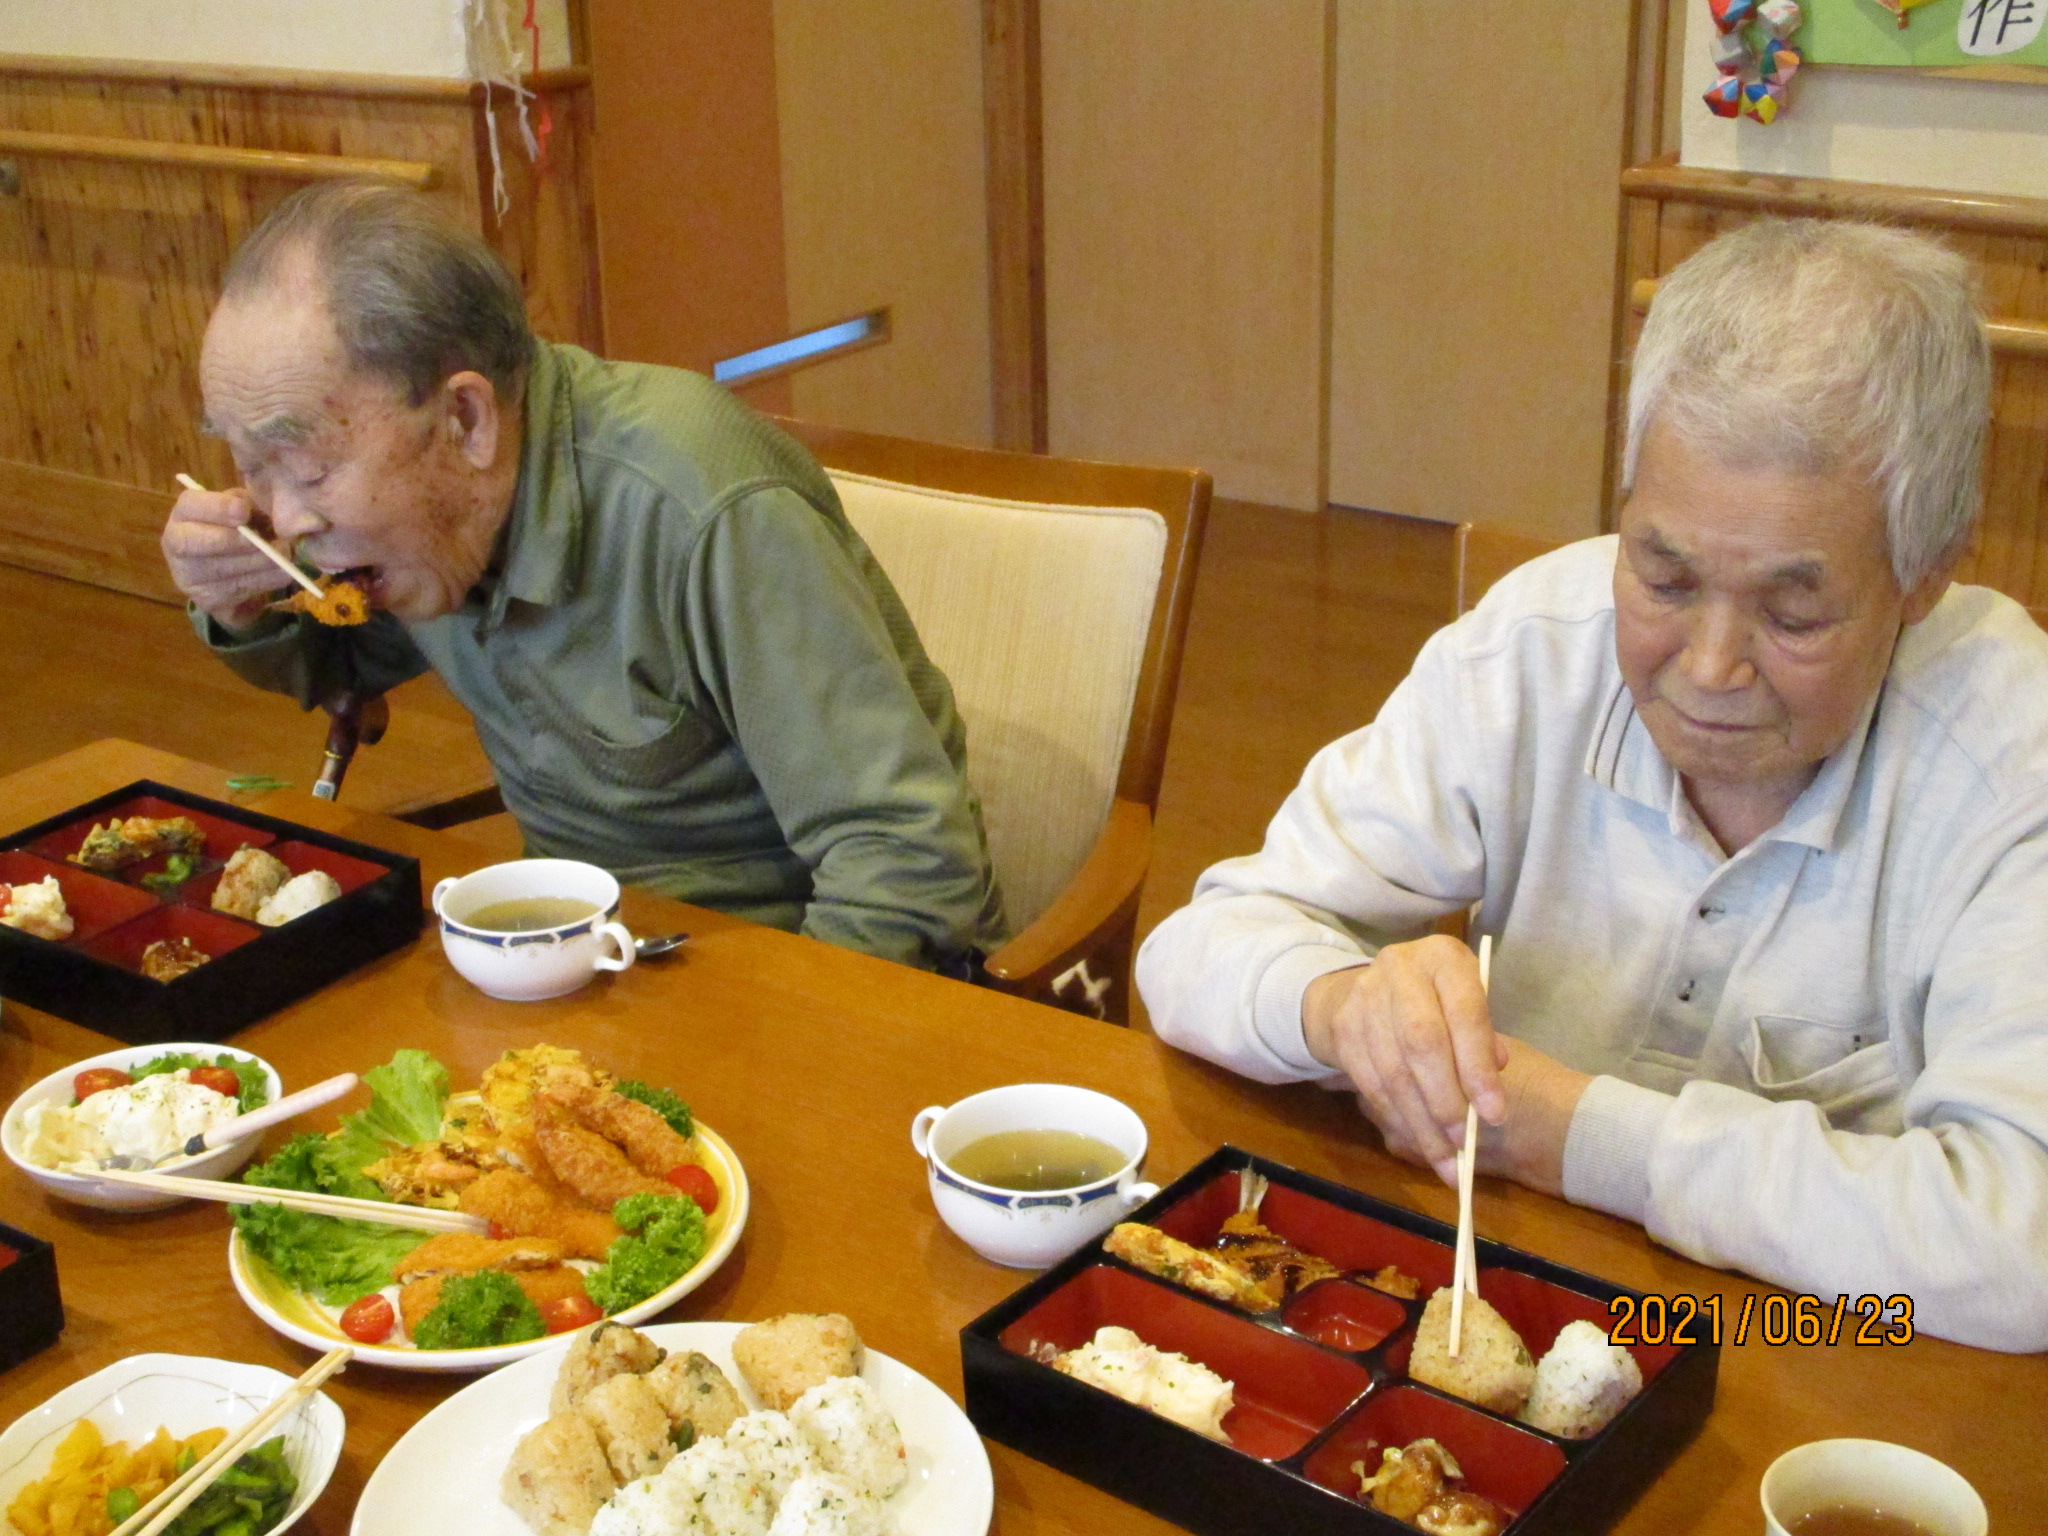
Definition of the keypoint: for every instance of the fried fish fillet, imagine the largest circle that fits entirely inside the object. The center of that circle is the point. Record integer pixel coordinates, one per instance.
(462, 1253)
(651, 1144)
(517, 1202)
(595, 1171)
(1169, 1258)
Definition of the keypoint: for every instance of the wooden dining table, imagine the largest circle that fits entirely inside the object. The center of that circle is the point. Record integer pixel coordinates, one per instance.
(811, 1061)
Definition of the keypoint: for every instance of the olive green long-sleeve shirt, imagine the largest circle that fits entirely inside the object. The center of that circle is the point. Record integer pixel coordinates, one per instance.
(686, 667)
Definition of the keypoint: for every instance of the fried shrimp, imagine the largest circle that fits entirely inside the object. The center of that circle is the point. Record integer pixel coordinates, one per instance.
(592, 1167)
(651, 1143)
(519, 1203)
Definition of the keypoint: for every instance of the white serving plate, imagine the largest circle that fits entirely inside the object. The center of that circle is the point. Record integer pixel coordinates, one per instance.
(83, 1188)
(299, 1317)
(443, 1475)
(184, 1394)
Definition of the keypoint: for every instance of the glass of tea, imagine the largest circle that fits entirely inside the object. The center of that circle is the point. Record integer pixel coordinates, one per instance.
(1867, 1488)
(1026, 1174)
(533, 928)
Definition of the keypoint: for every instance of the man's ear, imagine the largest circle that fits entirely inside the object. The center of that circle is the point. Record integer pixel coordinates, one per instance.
(1928, 591)
(473, 417)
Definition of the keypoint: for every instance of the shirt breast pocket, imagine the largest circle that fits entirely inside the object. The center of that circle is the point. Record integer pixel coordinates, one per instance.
(654, 754)
(1845, 1069)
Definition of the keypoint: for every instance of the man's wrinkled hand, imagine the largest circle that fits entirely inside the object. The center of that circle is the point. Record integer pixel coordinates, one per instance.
(211, 563)
(1412, 1032)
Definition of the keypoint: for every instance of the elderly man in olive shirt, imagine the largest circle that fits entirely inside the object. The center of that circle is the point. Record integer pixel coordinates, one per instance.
(683, 662)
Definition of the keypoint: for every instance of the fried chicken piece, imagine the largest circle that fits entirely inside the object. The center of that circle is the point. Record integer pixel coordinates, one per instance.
(558, 1477)
(650, 1142)
(168, 959)
(597, 1355)
(1462, 1513)
(512, 1083)
(1266, 1259)
(1169, 1258)
(463, 1253)
(251, 878)
(519, 1203)
(595, 1171)
(554, 1283)
(151, 835)
(1409, 1478)
(631, 1425)
(1395, 1283)
(340, 604)
(694, 1391)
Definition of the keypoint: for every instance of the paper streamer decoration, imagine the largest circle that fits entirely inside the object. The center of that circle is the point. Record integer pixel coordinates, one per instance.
(1899, 8)
(1752, 38)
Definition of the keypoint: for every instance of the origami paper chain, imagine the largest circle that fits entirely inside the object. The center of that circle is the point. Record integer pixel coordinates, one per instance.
(1752, 35)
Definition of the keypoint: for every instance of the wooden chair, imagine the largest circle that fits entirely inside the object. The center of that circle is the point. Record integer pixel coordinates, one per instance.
(1072, 871)
(1482, 555)
(1054, 594)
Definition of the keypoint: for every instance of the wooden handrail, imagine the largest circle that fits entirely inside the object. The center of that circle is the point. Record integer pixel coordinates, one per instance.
(246, 77)
(417, 174)
(1984, 212)
(2015, 338)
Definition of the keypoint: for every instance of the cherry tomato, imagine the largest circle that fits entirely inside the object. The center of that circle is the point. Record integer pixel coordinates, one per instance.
(368, 1319)
(566, 1313)
(86, 1084)
(697, 1184)
(219, 1079)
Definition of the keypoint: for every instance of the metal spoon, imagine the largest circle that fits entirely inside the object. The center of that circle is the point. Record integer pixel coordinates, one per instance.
(648, 948)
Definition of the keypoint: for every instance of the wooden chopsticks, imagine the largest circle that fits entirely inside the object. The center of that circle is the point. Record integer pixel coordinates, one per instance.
(1465, 1268)
(383, 1212)
(282, 561)
(168, 1505)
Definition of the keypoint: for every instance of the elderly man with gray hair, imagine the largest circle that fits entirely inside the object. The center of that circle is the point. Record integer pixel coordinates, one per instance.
(682, 660)
(1754, 803)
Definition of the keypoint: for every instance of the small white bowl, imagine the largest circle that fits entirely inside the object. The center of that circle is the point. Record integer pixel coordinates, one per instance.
(185, 1394)
(545, 962)
(83, 1188)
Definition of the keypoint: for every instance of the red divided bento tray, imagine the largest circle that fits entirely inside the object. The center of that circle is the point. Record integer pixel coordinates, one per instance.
(95, 978)
(1320, 1384)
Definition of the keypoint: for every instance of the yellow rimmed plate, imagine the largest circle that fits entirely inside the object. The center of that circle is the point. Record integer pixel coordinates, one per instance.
(299, 1317)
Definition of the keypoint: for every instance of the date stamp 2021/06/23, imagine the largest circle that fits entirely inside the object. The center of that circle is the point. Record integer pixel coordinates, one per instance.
(1776, 1319)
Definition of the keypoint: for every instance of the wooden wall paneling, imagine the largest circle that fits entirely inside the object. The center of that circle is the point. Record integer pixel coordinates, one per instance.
(688, 183)
(1014, 112)
(1676, 211)
(1473, 302)
(1185, 195)
(116, 267)
(548, 237)
(884, 194)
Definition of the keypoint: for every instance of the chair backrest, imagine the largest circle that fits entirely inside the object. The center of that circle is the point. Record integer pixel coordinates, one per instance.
(1484, 555)
(1054, 596)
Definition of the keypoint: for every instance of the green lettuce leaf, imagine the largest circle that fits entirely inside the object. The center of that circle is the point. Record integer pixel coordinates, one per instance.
(333, 1259)
(255, 1086)
(406, 1095)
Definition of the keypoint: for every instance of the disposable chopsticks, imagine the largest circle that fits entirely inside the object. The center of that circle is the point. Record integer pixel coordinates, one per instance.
(168, 1505)
(385, 1213)
(278, 557)
(1465, 1268)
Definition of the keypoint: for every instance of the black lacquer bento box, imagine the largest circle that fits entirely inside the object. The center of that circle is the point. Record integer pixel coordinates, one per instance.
(1320, 1384)
(31, 1312)
(95, 978)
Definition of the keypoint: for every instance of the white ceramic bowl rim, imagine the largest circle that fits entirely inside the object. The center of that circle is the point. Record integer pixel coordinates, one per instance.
(1073, 1194)
(58, 1084)
(574, 928)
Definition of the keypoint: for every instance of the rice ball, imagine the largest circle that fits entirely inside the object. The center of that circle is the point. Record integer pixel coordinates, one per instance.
(298, 896)
(854, 1434)
(1582, 1383)
(649, 1507)
(1493, 1368)
(823, 1505)
(712, 1482)
(777, 1451)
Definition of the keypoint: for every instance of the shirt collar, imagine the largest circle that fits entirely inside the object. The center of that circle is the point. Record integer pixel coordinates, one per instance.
(541, 545)
(1623, 758)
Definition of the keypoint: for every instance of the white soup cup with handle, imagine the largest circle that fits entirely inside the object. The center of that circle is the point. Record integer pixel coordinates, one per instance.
(544, 962)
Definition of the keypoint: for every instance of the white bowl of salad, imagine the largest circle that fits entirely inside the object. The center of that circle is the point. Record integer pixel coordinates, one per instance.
(142, 1100)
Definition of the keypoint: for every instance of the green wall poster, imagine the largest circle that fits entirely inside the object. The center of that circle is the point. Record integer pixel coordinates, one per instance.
(1942, 34)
